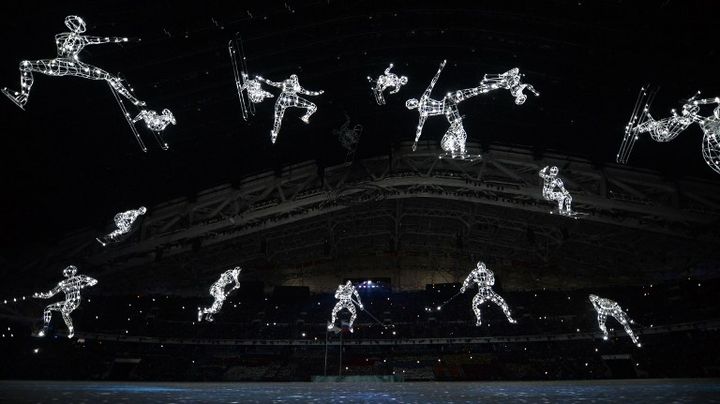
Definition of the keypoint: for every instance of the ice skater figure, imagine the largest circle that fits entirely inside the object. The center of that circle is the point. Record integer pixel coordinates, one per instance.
(124, 222)
(384, 81)
(667, 129)
(606, 307)
(71, 287)
(219, 292)
(67, 63)
(344, 294)
(455, 138)
(485, 279)
(554, 190)
(289, 98)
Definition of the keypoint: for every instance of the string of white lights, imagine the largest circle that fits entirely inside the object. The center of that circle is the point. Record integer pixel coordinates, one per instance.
(385, 81)
(455, 138)
(289, 98)
(71, 287)
(124, 222)
(485, 279)
(606, 307)
(554, 190)
(344, 294)
(667, 129)
(219, 293)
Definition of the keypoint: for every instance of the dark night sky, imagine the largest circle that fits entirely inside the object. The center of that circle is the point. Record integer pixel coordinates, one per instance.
(69, 160)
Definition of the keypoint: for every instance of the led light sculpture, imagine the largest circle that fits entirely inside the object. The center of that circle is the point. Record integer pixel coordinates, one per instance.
(67, 63)
(606, 307)
(554, 190)
(453, 142)
(219, 293)
(384, 81)
(344, 294)
(289, 98)
(249, 90)
(349, 137)
(71, 287)
(156, 123)
(124, 222)
(485, 279)
(667, 129)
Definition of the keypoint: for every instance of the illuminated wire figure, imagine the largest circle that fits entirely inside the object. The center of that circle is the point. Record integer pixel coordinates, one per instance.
(349, 137)
(554, 190)
(156, 123)
(249, 90)
(67, 63)
(485, 279)
(667, 129)
(606, 307)
(384, 81)
(218, 291)
(124, 222)
(289, 98)
(344, 294)
(453, 142)
(71, 287)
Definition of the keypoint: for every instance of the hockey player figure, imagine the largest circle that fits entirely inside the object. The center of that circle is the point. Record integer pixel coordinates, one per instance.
(344, 294)
(485, 279)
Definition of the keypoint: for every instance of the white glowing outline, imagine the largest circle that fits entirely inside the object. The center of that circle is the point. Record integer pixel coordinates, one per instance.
(667, 129)
(246, 87)
(485, 279)
(71, 288)
(218, 292)
(606, 307)
(289, 98)
(124, 222)
(453, 142)
(344, 294)
(551, 181)
(384, 81)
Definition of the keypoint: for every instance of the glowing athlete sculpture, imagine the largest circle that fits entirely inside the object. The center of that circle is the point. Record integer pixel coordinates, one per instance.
(551, 182)
(667, 129)
(249, 90)
(217, 291)
(67, 63)
(154, 121)
(289, 98)
(344, 294)
(71, 288)
(485, 279)
(607, 307)
(124, 222)
(384, 81)
(453, 142)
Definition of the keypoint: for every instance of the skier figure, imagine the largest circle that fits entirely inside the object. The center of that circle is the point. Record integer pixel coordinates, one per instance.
(453, 142)
(384, 81)
(71, 287)
(254, 90)
(67, 63)
(606, 307)
(124, 222)
(289, 98)
(551, 181)
(485, 279)
(344, 294)
(218, 292)
(154, 121)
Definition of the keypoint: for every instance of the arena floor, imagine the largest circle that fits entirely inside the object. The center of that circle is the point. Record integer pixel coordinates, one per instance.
(657, 390)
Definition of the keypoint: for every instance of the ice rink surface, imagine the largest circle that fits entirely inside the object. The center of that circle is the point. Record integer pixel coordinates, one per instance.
(629, 391)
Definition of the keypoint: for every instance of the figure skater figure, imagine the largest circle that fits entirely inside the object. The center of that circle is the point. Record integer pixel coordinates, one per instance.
(71, 287)
(455, 138)
(219, 293)
(124, 222)
(67, 63)
(385, 81)
(289, 98)
(344, 294)
(485, 279)
(606, 307)
(551, 182)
